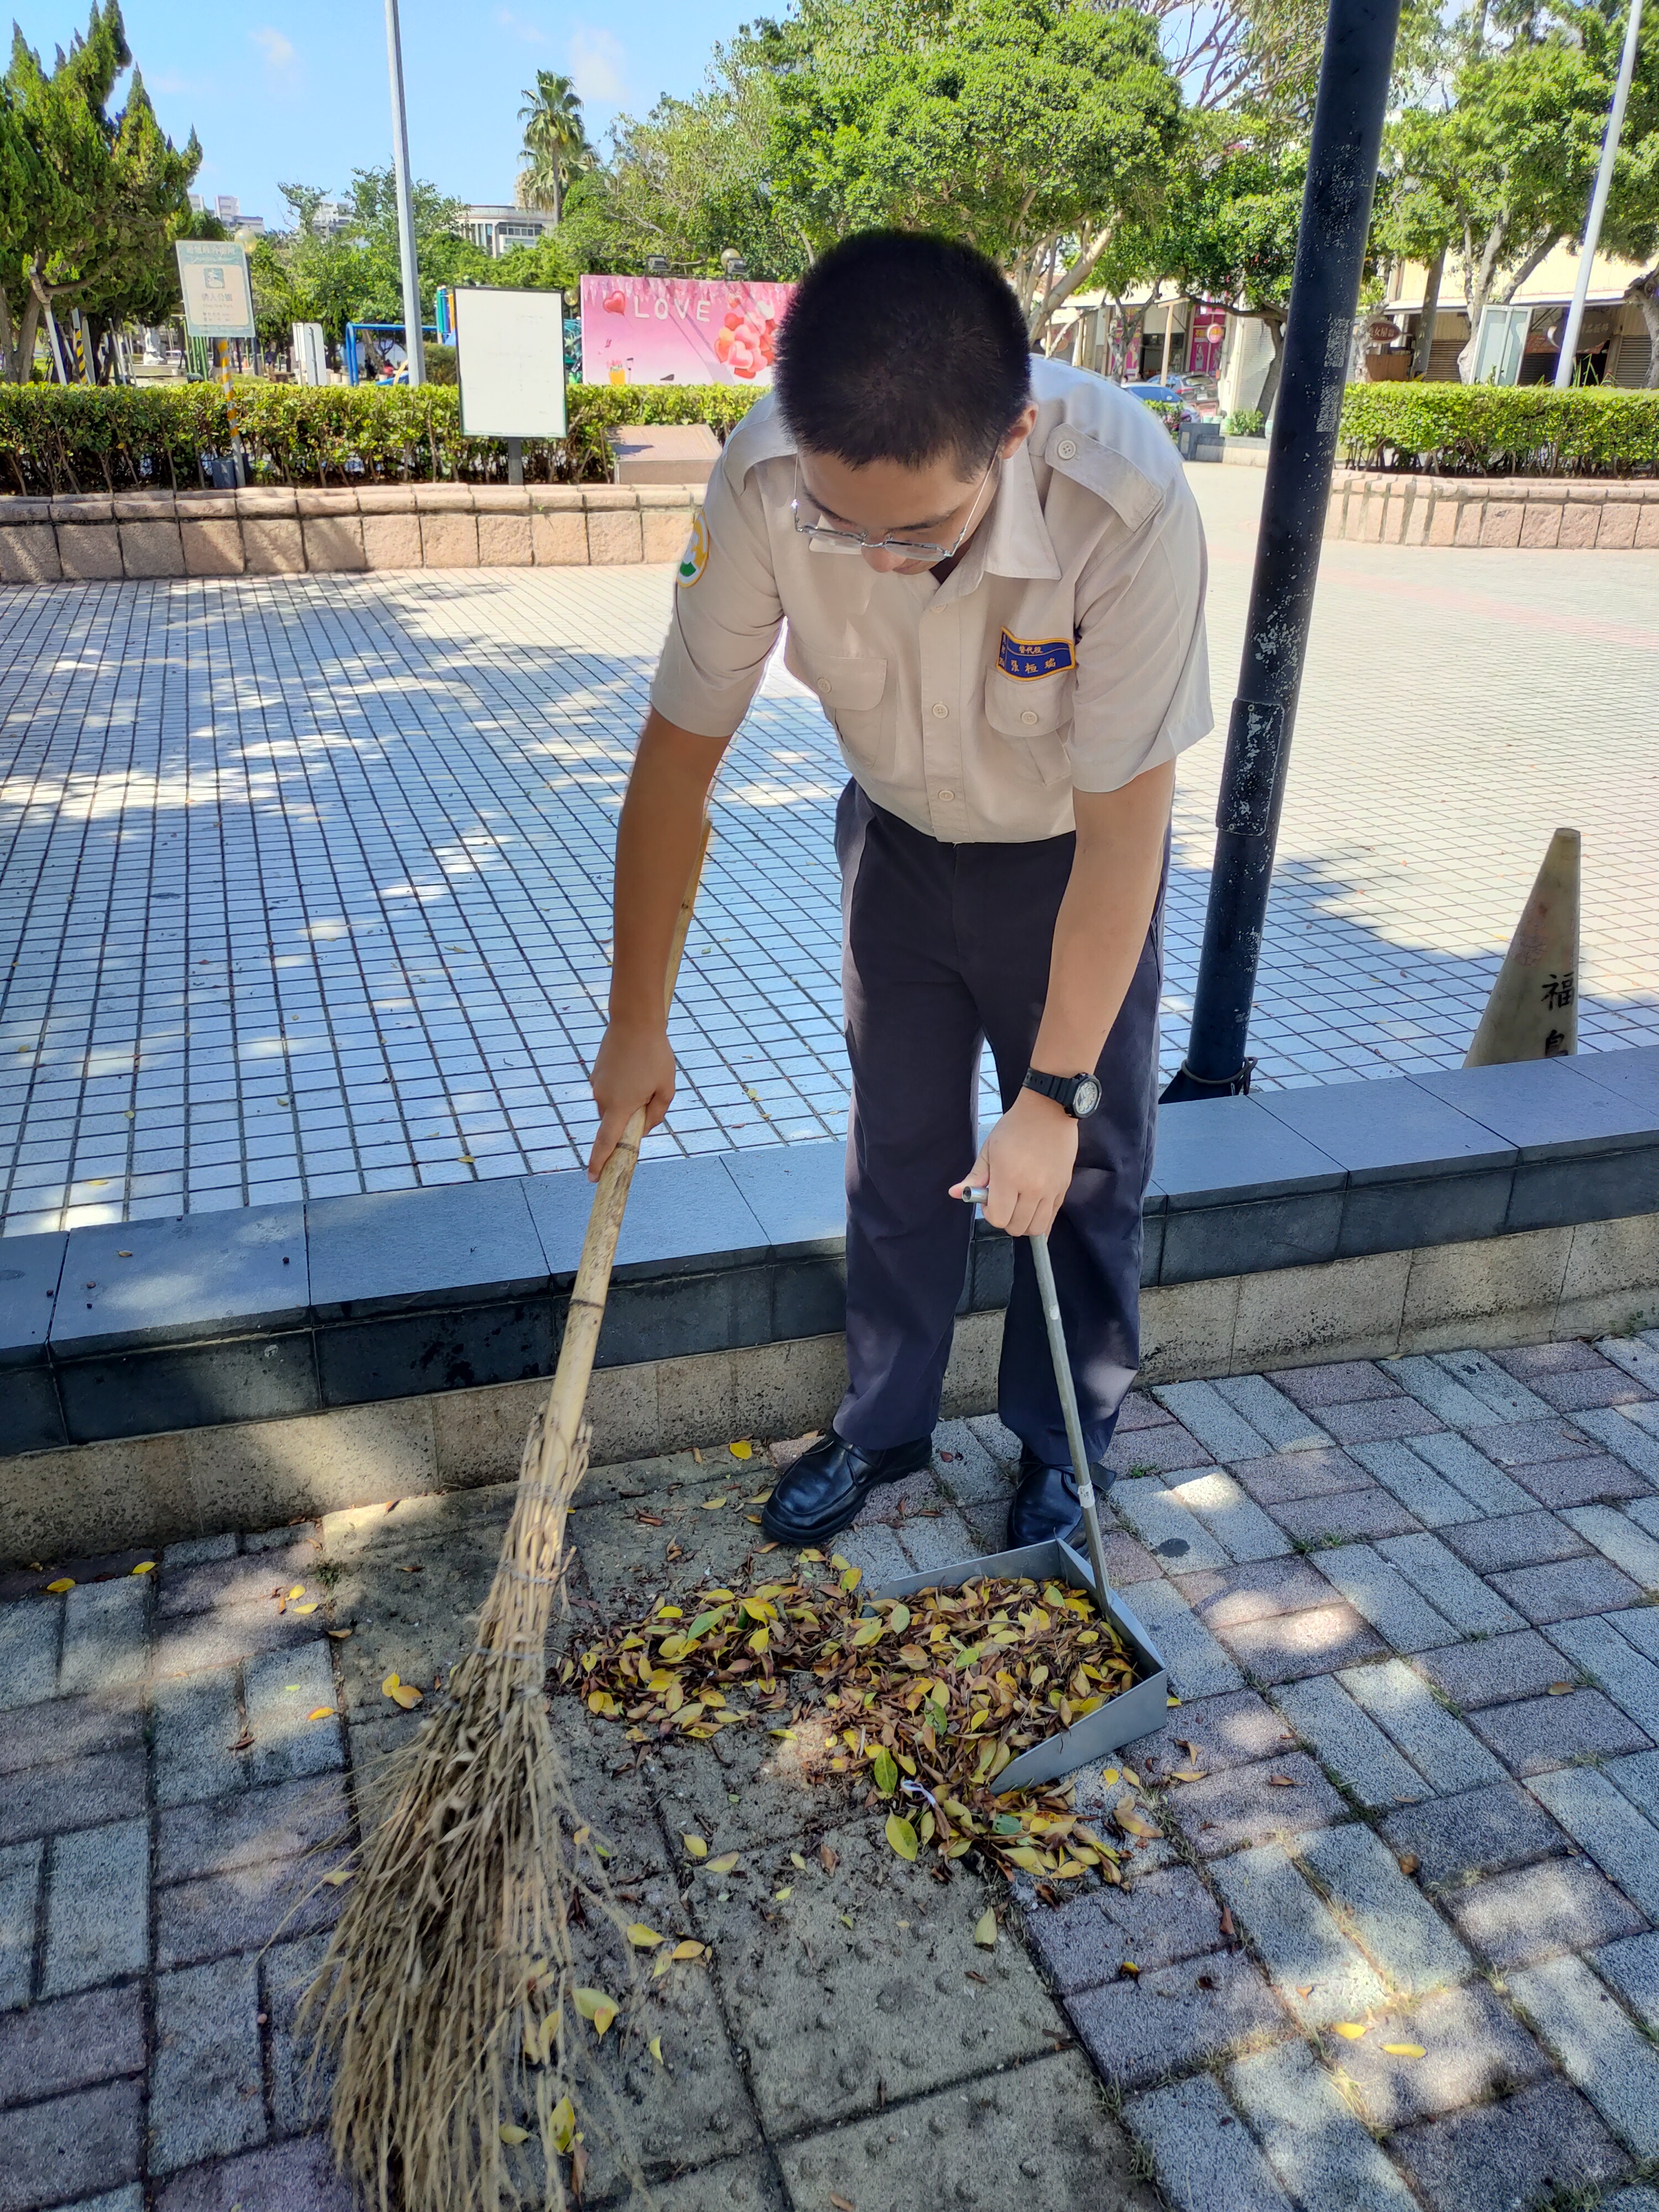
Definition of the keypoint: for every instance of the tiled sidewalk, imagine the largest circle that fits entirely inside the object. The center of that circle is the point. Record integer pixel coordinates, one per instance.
(1409, 1611)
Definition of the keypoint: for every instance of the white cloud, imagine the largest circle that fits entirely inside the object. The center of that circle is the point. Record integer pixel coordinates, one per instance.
(531, 35)
(599, 64)
(277, 51)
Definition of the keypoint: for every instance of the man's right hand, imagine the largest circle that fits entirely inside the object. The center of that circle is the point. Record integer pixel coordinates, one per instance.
(634, 1068)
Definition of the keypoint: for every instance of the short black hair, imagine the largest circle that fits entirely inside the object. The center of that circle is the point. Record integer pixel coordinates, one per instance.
(899, 346)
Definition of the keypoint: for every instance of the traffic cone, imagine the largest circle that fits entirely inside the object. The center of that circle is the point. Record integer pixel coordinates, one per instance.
(1533, 1012)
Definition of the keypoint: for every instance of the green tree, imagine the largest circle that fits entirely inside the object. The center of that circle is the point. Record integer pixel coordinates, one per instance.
(1231, 218)
(555, 148)
(335, 272)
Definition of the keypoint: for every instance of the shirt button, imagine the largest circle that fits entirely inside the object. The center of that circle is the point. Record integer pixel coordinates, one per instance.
(940, 710)
(1065, 450)
(947, 794)
(1029, 719)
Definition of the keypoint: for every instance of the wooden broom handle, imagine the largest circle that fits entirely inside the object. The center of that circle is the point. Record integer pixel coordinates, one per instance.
(592, 1284)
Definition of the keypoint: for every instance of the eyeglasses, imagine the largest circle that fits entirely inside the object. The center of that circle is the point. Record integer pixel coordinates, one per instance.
(856, 541)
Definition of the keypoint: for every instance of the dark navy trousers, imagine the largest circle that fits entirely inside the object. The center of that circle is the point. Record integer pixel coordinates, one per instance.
(946, 947)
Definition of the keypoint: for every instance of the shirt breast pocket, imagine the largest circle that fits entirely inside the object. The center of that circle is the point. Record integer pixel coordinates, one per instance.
(852, 688)
(1029, 712)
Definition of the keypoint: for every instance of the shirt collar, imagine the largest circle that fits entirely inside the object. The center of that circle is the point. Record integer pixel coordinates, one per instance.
(1013, 540)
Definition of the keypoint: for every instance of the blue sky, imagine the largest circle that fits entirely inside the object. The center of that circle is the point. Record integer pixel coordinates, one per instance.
(296, 90)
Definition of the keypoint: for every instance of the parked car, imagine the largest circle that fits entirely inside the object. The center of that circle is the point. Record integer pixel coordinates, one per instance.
(1168, 394)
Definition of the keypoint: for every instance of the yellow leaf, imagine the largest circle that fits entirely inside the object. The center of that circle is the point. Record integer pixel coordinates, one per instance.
(320, 1713)
(1404, 2049)
(714, 1505)
(601, 1702)
(1109, 1775)
(407, 1696)
(1026, 1857)
(643, 1938)
(298, 1590)
(389, 1684)
(985, 1930)
(696, 1845)
(665, 1961)
(338, 1879)
(1172, 1701)
(145, 1567)
(724, 1864)
(312, 1608)
(798, 1862)
(510, 2133)
(688, 1949)
(742, 1449)
(594, 2005)
(655, 2048)
(783, 1896)
(902, 1836)
(1353, 2029)
(64, 1583)
(563, 2124)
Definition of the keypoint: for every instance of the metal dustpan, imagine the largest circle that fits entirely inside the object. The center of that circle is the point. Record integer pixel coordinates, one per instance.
(1133, 1712)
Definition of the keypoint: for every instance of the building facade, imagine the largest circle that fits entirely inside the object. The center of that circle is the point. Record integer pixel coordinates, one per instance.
(501, 230)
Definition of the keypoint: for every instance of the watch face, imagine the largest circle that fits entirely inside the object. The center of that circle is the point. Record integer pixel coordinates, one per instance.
(1086, 1096)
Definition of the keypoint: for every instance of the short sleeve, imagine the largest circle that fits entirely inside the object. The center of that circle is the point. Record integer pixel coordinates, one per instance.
(726, 613)
(1142, 692)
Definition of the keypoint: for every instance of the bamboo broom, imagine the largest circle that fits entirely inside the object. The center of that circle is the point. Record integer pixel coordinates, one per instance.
(446, 2000)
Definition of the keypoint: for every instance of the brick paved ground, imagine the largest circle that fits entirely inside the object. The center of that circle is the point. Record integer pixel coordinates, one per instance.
(1398, 1939)
(304, 880)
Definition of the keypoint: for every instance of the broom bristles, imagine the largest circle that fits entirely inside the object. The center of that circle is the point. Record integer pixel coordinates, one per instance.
(444, 1999)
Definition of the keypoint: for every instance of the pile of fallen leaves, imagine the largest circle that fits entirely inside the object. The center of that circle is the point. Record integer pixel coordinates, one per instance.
(928, 1699)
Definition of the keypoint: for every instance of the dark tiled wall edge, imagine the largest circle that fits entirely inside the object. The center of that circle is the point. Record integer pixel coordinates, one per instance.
(128, 1329)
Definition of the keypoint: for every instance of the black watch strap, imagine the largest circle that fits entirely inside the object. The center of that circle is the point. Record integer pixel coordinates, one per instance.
(1078, 1094)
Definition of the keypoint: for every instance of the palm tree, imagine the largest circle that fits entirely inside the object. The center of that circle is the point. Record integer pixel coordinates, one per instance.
(556, 144)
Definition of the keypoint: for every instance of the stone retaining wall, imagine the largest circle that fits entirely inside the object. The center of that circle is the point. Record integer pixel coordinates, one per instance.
(1546, 513)
(94, 538)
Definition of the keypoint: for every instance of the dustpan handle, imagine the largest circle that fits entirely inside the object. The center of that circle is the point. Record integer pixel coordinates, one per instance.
(592, 1284)
(1067, 1389)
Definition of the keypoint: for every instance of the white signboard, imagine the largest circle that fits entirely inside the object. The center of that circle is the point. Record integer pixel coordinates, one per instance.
(509, 349)
(218, 299)
(310, 354)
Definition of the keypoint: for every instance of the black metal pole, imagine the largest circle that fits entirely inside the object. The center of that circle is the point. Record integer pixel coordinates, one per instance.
(1330, 251)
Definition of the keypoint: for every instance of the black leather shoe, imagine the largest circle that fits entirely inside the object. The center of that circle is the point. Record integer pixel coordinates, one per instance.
(827, 1486)
(1045, 1505)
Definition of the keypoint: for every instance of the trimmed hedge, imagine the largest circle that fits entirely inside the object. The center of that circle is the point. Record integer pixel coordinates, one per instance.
(55, 438)
(1484, 430)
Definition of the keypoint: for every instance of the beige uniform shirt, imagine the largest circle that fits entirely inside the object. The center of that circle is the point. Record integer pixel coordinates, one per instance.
(1064, 651)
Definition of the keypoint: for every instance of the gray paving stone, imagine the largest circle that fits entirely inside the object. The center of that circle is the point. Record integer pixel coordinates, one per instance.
(1535, 1442)
(1639, 1628)
(1637, 1779)
(1603, 1820)
(1439, 1746)
(1316, 1970)
(207, 2093)
(1288, 1476)
(30, 1628)
(1481, 1481)
(1343, 1383)
(1003, 1444)
(78, 1793)
(1539, 1911)
(1222, 1430)
(249, 1830)
(1174, 1536)
(97, 1907)
(1644, 1512)
(1233, 1730)
(1599, 1648)
(1198, 1666)
(1483, 1831)
(1402, 1935)
(1449, 1586)
(208, 1640)
(1619, 1539)
(1495, 1670)
(1345, 1517)
(1516, 1540)
(1279, 1420)
(1351, 1746)
(966, 1469)
(1599, 1478)
(284, 1690)
(1231, 1514)
(1624, 1437)
(936, 1539)
(1222, 1597)
(70, 2147)
(1639, 1361)
(200, 1551)
(242, 1910)
(1630, 2200)
(47, 2050)
(1546, 1732)
(1288, 1647)
(1311, 2138)
(1378, 1592)
(1472, 2047)
(1633, 1968)
(1437, 1504)
(130, 2199)
(1510, 2156)
(1162, 1919)
(1431, 1386)
(1377, 1419)
(105, 1636)
(1505, 1399)
(194, 1721)
(298, 2176)
(70, 1729)
(285, 1972)
(1165, 1451)
(256, 1580)
(1175, 2019)
(1246, 1806)
(1596, 2046)
(1204, 2158)
(1567, 1590)
(19, 1888)
(877, 1551)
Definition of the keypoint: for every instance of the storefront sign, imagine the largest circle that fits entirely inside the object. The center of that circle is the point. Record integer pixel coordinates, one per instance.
(679, 329)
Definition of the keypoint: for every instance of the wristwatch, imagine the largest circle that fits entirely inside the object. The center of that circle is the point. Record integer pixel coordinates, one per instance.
(1078, 1094)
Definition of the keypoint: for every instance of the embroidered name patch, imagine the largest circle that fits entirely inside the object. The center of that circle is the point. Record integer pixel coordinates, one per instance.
(1016, 657)
(695, 559)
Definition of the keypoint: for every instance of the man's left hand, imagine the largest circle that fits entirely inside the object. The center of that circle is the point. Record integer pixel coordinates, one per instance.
(1027, 1162)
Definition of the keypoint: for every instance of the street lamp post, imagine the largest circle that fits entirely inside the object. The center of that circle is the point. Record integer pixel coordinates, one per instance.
(1566, 360)
(414, 343)
(1330, 252)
